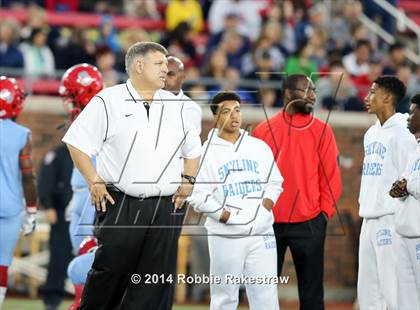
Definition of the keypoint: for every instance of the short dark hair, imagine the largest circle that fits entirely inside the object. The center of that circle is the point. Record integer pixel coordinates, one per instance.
(396, 46)
(292, 80)
(416, 100)
(363, 42)
(392, 85)
(223, 96)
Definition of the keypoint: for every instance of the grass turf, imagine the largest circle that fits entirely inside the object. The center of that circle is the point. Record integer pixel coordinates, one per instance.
(36, 304)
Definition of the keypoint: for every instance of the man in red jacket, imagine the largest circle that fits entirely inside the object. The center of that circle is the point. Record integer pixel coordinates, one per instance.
(307, 156)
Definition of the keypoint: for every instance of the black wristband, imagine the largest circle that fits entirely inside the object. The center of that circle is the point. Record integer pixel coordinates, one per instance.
(189, 178)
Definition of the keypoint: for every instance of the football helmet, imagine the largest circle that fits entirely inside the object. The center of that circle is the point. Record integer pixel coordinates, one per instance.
(11, 98)
(78, 85)
(88, 245)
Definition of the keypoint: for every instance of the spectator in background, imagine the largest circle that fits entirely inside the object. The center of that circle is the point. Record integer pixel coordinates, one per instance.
(10, 55)
(278, 58)
(231, 83)
(248, 10)
(38, 58)
(189, 11)
(336, 91)
(105, 61)
(179, 42)
(108, 35)
(301, 63)
(231, 24)
(280, 14)
(74, 49)
(264, 72)
(414, 85)
(37, 18)
(317, 18)
(225, 77)
(396, 58)
(343, 22)
(141, 9)
(62, 5)
(364, 82)
(127, 38)
(272, 31)
(404, 73)
(318, 41)
(194, 89)
(217, 65)
(102, 6)
(361, 33)
(356, 63)
(268, 98)
(235, 48)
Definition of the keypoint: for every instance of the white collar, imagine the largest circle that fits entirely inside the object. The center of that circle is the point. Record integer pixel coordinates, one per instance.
(180, 95)
(135, 95)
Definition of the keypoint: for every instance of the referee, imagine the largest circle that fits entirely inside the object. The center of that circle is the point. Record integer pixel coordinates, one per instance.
(138, 134)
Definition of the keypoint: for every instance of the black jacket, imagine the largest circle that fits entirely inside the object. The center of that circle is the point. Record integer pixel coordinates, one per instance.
(54, 188)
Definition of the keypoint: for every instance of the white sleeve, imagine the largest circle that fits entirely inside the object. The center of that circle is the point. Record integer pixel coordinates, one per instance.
(274, 180)
(90, 129)
(413, 179)
(192, 146)
(203, 197)
(192, 115)
(413, 187)
(403, 146)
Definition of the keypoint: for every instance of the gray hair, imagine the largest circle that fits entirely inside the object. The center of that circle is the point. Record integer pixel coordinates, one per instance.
(140, 49)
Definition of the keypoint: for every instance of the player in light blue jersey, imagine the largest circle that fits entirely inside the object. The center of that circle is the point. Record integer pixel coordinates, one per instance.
(78, 85)
(17, 180)
(80, 266)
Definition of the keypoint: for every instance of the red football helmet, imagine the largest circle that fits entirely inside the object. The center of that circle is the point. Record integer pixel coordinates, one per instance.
(78, 85)
(89, 244)
(11, 98)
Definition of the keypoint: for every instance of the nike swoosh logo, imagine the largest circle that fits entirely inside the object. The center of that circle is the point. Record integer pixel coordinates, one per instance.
(127, 115)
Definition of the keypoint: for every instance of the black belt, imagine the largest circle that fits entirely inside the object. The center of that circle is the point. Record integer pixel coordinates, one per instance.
(112, 188)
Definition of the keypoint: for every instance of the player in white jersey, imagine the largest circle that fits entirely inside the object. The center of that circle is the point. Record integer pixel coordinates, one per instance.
(237, 185)
(17, 180)
(407, 222)
(386, 146)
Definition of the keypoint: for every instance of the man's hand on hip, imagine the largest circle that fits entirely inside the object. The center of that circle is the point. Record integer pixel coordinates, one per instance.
(99, 195)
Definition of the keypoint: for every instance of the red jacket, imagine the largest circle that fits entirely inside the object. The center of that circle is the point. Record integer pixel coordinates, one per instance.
(307, 157)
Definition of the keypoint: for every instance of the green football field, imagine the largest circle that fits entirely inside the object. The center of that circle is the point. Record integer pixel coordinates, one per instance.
(31, 304)
(36, 304)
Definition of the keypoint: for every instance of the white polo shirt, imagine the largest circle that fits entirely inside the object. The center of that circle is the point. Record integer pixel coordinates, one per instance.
(191, 110)
(139, 151)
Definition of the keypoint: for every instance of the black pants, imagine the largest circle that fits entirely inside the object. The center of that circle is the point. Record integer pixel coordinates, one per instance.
(135, 237)
(306, 243)
(52, 291)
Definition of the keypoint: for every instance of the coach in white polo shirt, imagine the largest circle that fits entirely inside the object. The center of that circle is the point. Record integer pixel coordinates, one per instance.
(138, 134)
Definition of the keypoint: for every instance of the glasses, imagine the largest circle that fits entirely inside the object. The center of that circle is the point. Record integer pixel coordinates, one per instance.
(312, 89)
